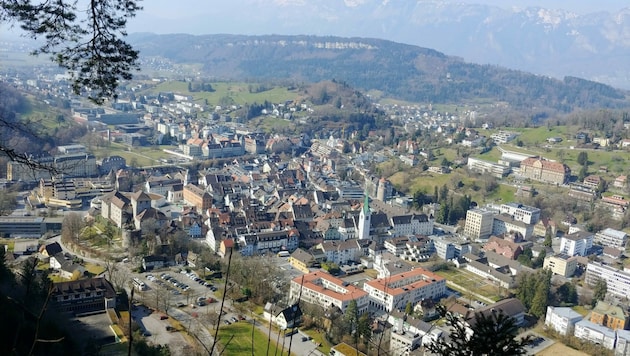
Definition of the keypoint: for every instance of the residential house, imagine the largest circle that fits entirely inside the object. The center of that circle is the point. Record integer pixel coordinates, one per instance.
(506, 247)
(51, 249)
(283, 318)
(504, 223)
(302, 260)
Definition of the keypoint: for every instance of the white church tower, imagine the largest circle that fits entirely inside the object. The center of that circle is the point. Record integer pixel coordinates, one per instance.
(364, 219)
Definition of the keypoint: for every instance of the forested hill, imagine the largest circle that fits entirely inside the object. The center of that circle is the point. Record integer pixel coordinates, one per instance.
(402, 71)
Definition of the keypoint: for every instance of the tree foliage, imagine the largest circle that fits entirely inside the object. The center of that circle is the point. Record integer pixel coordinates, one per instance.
(534, 291)
(492, 334)
(599, 291)
(87, 41)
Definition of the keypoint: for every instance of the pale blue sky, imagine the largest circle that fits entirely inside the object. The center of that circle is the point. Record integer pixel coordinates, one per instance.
(271, 16)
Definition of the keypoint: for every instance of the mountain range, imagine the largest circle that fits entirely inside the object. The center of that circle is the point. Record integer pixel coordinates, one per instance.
(397, 70)
(545, 41)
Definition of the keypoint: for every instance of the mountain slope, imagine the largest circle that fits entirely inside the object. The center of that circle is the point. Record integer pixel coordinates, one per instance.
(402, 71)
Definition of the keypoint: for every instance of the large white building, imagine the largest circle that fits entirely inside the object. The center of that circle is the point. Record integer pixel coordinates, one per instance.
(405, 225)
(479, 223)
(520, 212)
(562, 319)
(577, 243)
(322, 289)
(617, 282)
(394, 292)
(611, 237)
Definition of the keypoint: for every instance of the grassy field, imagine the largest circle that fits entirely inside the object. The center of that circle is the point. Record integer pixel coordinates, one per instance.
(238, 93)
(241, 340)
(94, 269)
(472, 282)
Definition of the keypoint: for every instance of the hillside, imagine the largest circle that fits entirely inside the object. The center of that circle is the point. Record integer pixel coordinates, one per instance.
(402, 71)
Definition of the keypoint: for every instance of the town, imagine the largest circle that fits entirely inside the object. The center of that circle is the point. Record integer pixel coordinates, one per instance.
(173, 216)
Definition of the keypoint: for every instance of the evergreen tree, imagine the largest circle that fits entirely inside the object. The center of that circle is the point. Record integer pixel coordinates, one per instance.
(493, 334)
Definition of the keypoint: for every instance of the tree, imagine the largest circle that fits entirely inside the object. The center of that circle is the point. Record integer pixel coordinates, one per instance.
(492, 334)
(582, 158)
(8, 202)
(71, 227)
(599, 291)
(88, 42)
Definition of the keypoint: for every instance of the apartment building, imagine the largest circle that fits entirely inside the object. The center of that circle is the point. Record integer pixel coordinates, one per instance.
(396, 291)
(562, 319)
(479, 223)
(611, 237)
(617, 281)
(323, 289)
(546, 171)
(577, 243)
(561, 264)
(520, 212)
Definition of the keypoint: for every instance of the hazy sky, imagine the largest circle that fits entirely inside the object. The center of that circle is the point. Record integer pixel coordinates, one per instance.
(272, 16)
(250, 16)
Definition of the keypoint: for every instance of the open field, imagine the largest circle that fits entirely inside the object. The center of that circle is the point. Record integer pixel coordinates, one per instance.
(560, 349)
(237, 93)
(473, 283)
(241, 340)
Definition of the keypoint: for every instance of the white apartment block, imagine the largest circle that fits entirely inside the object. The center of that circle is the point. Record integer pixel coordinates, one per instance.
(617, 282)
(562, 320)
(520, 212)
(405, 225)
(577, 243)
(622, 347)
(595, 333)
(323, 289)
(394, 292)
(611, 237)
(479, 223)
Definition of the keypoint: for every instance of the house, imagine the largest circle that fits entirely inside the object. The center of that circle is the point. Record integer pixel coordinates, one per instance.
(283, 318)
(25, 247)
(83, 296)
(302, 260)
(225, 246)
(562, 319)
(152, 262)
(510, 307)
(505, 247)
(341, 252)
(344, 349)
(50, 249)
(72, 271)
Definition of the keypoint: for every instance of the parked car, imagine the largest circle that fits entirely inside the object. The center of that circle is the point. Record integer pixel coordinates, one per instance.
(170, 328)
(163, 317)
